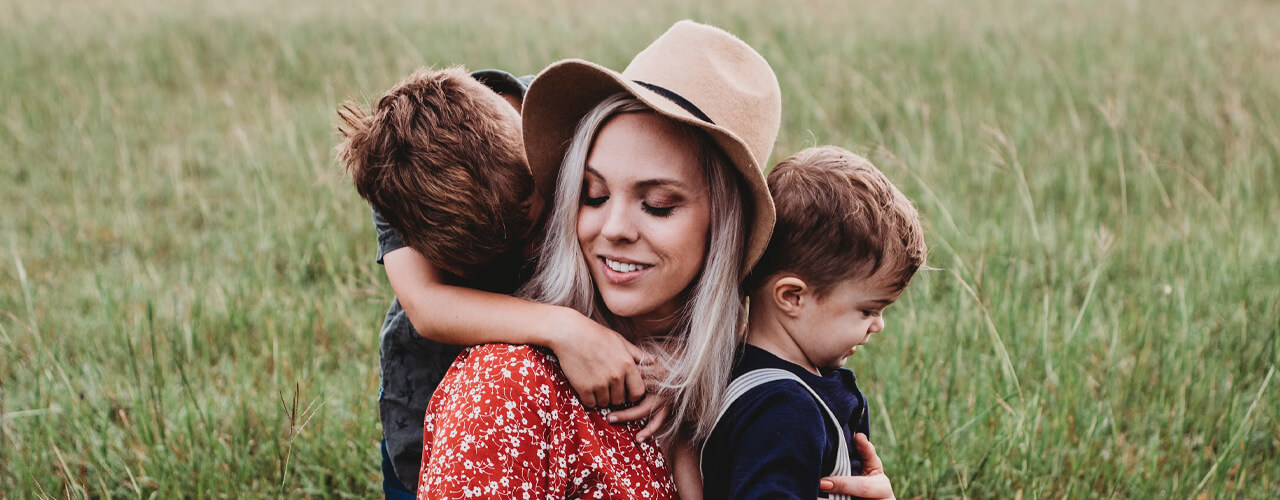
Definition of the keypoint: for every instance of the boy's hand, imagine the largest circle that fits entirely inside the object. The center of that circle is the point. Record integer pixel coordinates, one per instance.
(601, 365)
(871, 484)
(654, 405)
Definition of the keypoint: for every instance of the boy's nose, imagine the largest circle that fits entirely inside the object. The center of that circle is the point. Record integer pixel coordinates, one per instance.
(877, 326)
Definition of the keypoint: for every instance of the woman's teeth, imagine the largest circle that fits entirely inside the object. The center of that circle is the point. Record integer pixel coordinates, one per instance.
(624, 267)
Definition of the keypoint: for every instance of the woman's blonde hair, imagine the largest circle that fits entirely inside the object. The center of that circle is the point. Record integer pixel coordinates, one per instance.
(696, 356)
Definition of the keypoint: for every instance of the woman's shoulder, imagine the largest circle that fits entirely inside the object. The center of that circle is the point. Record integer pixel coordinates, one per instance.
(508, 364)
(521, 353)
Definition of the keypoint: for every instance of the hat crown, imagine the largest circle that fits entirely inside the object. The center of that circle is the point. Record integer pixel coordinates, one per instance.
(695, 74)
(723, 77)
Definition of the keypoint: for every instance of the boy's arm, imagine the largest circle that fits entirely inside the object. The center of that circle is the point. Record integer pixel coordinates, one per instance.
(773, 445)
(600, 364)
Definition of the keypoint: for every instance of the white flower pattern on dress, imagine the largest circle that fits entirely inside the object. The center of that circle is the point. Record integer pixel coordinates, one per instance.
(505, 423)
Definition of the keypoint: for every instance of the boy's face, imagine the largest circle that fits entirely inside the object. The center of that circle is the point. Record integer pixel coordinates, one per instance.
(534, 209)
(829, 329)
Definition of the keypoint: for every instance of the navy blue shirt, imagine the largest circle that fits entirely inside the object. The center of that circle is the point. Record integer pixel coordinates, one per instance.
(776, 441)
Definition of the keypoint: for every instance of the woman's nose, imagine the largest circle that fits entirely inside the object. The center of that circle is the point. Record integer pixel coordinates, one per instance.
(618, 224)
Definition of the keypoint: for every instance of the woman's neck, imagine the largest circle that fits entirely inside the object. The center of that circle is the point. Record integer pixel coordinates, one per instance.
(642, 327)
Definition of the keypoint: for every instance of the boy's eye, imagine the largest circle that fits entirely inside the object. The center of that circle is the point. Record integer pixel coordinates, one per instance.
(870, 313)
(657, 211)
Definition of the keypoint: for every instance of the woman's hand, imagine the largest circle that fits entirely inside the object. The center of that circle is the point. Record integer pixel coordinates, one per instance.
(653, 406)
(601, 365)
(871, 484)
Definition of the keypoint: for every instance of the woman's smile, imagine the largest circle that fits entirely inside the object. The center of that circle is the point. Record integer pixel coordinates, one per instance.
(621, 271)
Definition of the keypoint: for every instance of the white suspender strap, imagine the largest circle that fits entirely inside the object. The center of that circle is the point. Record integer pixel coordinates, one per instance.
(756, 378)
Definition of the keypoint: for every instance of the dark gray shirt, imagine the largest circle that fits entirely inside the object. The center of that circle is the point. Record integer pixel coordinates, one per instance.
(412, 367)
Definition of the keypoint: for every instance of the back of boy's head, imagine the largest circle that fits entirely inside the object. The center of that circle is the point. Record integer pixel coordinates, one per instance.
(839, 219)
(441, 158)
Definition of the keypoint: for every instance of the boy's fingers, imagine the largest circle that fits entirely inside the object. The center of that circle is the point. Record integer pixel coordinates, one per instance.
(602, 396)
(635, 385)
(638, 354)
(588, 399)
(617, 391)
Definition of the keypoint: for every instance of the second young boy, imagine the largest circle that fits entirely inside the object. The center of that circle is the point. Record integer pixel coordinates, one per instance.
(846, 245)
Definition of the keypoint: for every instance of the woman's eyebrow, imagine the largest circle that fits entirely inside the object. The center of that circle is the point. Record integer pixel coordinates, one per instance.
(661, 182)
(645, 183)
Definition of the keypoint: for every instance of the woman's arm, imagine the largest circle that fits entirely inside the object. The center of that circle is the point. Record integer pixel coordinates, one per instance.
(600, 364)
(683, 457)
(873, 484)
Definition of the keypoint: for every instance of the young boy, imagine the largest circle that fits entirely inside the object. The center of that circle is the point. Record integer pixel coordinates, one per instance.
(845, 246)
(441, 160)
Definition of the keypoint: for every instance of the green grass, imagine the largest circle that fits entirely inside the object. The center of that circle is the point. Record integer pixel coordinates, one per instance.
(189, 303)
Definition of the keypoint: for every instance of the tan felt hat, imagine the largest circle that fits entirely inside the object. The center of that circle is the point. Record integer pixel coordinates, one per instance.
(693, 73)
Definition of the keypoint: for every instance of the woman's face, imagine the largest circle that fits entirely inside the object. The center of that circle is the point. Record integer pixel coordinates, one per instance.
(644, 216)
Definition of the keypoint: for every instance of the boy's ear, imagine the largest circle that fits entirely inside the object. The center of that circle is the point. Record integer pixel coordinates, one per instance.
(790, 294)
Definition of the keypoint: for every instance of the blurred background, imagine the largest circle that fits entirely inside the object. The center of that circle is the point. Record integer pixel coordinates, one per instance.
(189, 303)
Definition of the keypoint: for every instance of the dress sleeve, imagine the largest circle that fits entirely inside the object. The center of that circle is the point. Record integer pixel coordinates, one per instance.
(494, 430)
(775, 444)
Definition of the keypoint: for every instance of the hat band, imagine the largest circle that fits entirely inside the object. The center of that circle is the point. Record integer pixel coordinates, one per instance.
(676, 98)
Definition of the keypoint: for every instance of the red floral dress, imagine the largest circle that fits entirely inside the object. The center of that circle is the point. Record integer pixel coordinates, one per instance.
(505, 423)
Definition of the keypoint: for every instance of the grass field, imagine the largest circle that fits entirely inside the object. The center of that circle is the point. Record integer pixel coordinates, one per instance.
(189, 303)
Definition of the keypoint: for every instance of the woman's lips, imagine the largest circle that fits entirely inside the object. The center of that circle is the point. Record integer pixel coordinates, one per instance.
(621, 272)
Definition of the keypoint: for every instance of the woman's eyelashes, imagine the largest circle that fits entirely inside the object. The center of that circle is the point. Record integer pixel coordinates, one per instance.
(659, 208)
(657, 211)
(660, 203)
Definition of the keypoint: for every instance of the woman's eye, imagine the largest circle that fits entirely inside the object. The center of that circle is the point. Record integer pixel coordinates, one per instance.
(594, 201)
(657, 211)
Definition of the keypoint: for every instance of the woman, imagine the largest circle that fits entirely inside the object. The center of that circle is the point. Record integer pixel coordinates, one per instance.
(658, 206)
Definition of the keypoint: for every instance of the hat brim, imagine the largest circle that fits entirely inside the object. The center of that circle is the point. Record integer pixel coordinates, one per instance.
(566, 91)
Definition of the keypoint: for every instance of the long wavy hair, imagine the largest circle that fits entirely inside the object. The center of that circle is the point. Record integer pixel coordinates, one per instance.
(695, 357)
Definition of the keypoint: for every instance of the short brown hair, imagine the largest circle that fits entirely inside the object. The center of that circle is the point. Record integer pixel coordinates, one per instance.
(839, 219)
(442, 159)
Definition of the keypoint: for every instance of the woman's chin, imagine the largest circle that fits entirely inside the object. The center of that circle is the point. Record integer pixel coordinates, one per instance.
(642, 313)
(628, 309)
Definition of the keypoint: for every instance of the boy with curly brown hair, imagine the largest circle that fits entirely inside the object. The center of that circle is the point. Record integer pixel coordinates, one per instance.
(440, 158)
